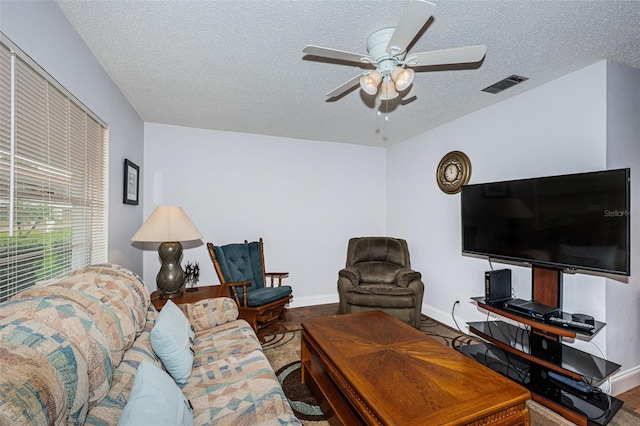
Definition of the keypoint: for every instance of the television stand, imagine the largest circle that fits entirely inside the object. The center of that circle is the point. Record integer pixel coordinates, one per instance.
(527, 356)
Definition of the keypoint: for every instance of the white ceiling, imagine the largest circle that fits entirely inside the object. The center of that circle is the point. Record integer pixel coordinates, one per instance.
(237, 65)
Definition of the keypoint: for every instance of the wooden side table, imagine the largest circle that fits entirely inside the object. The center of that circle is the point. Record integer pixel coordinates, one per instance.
(204, 292)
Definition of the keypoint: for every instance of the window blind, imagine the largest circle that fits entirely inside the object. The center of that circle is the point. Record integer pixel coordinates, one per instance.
(53, 177)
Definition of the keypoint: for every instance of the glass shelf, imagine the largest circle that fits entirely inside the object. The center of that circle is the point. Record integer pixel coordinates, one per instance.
(597, 408)
(540, 324)
(558, 355)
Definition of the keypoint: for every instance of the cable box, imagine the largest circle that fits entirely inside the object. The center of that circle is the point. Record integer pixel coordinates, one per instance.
(531, 308)
(497, 285)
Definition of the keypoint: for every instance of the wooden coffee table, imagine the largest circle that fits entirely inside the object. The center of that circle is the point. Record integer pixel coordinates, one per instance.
(370, 368)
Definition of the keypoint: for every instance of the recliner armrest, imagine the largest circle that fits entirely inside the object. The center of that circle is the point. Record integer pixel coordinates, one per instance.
(350, 274)
(405, 276)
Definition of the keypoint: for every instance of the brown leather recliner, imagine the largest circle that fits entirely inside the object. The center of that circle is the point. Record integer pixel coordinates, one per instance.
(378, 275)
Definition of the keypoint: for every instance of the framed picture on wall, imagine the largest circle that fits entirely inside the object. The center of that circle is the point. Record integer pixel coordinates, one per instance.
(131, 183)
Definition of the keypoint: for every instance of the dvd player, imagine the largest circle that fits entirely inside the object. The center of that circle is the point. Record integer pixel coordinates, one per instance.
(531, 308)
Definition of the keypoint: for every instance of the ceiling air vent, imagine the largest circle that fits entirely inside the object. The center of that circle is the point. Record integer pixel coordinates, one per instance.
(505, 84)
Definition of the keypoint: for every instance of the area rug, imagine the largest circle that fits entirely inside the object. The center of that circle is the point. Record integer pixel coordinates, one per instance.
(283, 352)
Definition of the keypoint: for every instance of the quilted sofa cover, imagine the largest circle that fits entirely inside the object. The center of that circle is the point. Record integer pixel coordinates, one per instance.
(69, 354)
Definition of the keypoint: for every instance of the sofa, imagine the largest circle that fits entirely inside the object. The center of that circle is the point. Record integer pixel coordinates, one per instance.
(84, 350)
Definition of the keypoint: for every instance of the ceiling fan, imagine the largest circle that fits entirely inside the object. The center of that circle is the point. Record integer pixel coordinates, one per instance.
(387, 52)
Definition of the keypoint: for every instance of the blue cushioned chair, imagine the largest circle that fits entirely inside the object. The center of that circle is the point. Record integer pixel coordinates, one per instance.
(240, 269)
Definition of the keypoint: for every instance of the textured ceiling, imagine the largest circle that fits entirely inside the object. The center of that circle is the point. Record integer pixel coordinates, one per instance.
(237, 65)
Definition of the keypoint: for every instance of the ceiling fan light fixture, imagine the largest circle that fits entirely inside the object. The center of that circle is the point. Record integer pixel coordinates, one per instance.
(370, 82)
(402, 77)
(387, 51)
(388, 91)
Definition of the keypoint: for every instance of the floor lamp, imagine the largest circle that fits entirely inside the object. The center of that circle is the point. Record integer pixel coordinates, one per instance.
(168, 225)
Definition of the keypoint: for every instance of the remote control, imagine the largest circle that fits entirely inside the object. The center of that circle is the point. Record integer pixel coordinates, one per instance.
(578, 385)
(569, 323)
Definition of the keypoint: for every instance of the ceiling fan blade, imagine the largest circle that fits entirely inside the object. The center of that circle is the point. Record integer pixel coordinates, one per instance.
(326, 52)
(413, 19)
(345, 86)
(458, 55)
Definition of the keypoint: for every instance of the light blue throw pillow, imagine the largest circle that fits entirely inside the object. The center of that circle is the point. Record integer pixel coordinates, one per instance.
(155, 399)
(171, 340)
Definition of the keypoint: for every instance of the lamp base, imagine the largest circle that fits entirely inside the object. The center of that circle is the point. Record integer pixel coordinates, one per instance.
(170, 278)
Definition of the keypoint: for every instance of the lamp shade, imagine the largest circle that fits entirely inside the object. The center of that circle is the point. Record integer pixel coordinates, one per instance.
(167, 223)
(388, 91)
(369, 82)
(402, 77)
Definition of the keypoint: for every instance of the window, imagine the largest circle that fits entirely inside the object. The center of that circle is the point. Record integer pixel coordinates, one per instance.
(53, 177)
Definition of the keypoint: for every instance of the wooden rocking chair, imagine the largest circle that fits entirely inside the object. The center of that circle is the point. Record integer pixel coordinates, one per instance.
(240, 269)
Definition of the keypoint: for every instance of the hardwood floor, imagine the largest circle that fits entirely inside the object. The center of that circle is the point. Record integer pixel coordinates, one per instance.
(295, 316)
(631, 399)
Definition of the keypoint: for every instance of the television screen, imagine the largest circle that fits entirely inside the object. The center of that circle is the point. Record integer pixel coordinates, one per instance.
(577, 221)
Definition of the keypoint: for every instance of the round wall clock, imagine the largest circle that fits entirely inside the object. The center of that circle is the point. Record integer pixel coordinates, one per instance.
(454, 170)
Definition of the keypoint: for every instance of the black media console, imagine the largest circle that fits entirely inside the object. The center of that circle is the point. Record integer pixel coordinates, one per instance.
(560, 377)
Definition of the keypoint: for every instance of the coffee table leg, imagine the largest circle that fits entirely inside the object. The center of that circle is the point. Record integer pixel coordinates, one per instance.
(305, 358)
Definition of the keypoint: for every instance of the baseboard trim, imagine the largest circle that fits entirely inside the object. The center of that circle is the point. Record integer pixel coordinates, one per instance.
(299, 302)
(625, 380)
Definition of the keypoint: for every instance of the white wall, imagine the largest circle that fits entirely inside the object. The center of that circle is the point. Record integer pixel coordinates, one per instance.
(41, 30)
(304, 198)
(623, 150)
(554, 129)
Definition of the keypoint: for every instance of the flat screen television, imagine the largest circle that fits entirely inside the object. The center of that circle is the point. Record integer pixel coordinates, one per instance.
(570, 222)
